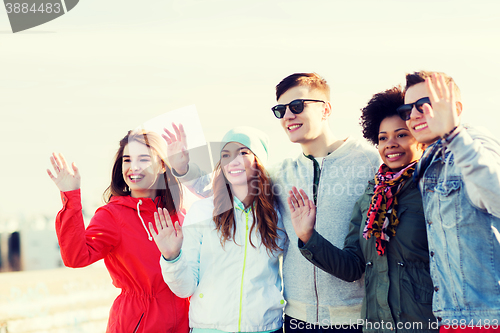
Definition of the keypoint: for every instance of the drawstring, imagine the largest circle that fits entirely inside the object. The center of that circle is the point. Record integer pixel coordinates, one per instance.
(143, 224)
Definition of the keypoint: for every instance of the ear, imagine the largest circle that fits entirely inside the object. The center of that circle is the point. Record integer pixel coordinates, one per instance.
(459, 107)
(327, 110)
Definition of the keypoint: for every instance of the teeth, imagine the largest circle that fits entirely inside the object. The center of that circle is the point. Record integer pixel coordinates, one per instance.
(420, 126)
(135, 177)
(293, 127)
(236, 171)
(394, 155)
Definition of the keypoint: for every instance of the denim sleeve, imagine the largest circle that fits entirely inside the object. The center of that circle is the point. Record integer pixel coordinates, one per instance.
(478, 156)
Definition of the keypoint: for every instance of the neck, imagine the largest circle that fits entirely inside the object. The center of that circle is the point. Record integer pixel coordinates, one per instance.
(147, 193)
(241, 192)
(321, 146)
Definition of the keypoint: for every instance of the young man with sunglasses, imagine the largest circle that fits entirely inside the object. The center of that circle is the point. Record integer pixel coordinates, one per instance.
(334, 173)
(459, 178)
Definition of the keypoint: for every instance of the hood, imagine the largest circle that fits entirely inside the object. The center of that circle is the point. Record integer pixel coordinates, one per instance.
(137, 204)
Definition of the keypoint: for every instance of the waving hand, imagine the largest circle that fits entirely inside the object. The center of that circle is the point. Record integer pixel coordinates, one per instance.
(65, 178)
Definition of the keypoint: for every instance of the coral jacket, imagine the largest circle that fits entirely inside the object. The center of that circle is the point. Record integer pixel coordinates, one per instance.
(118, 233)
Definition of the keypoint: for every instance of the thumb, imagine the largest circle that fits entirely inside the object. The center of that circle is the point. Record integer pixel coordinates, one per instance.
(428, 111)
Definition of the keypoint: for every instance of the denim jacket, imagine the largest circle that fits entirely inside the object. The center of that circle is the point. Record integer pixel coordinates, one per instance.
(461, 196)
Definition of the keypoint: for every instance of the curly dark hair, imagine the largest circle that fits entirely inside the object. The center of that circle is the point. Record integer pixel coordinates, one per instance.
(380, 106)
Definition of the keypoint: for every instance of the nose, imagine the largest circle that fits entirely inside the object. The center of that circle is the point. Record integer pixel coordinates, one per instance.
(415, 114)
(289, 114)
(134, 165)
(236, 160)
(391, 143)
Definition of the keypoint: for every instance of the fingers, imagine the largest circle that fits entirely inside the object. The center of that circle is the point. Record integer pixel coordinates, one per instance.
(152, 230)
(75, 168)
(304, 195)
(177, 131)
(293, 199)
(51, 175)
(298, 196)
(63, 161)
(166, 215)
(168, 136)
(290, 205)
(183, 134)
(431, 90)
(157, 221)
(428, 111)
(54, 162)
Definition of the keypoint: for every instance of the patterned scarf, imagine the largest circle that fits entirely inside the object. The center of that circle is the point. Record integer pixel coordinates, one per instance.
(382, 218)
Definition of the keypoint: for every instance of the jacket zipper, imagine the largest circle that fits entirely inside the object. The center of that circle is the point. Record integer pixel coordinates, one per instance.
(243, 273)
(317, 169)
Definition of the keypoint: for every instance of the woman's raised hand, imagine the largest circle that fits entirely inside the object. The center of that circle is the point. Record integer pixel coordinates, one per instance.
(65, 178)
(177, 153)
(169, 237)
(303, 214)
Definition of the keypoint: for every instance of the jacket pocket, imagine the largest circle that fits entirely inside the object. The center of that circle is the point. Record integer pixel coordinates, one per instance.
(138, 324)
(416, 282)
(446, 190)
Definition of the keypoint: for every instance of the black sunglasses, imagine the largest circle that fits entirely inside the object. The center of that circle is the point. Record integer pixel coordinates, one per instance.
(296, 106)
(404, 110)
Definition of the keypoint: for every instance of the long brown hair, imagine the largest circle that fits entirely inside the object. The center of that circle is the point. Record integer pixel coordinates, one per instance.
(265, 217)
(168, 187)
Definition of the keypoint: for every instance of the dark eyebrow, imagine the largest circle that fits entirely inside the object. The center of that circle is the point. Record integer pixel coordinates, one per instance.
(143, 155)
(241, 148)
(399, 129)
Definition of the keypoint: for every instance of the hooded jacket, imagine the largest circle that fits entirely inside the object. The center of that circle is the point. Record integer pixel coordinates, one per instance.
(235, 288)
(118, 234)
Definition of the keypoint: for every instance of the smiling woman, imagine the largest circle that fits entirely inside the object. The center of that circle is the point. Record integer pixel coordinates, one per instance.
(230, 244)
(141, 183)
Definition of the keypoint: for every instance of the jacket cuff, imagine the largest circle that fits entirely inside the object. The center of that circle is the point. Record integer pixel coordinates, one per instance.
(71, 199)
(310, 247)
(173, 260)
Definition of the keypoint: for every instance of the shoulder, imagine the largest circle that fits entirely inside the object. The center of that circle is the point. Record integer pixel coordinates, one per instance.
(354, 147)
(480, 133)
(201, 210)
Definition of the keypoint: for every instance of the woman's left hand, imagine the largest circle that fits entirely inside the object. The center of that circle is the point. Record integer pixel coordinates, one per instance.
(169, 237)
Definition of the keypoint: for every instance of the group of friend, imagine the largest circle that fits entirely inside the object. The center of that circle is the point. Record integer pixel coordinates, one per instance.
(406, 240)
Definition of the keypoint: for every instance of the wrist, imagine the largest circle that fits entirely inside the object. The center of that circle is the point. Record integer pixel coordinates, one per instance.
(173, 257)
(180, 171)
(306, 237)
(448, 136)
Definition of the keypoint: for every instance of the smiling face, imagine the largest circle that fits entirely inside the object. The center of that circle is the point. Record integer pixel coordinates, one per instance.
(417, 124)
(140, 169)
(238, 164)
(396, 146)
(309, 124)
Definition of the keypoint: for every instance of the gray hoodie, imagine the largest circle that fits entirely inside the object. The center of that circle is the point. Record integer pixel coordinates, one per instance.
(313, 295)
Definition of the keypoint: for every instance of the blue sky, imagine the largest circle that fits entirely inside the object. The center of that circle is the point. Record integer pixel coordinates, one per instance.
(78, 83)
